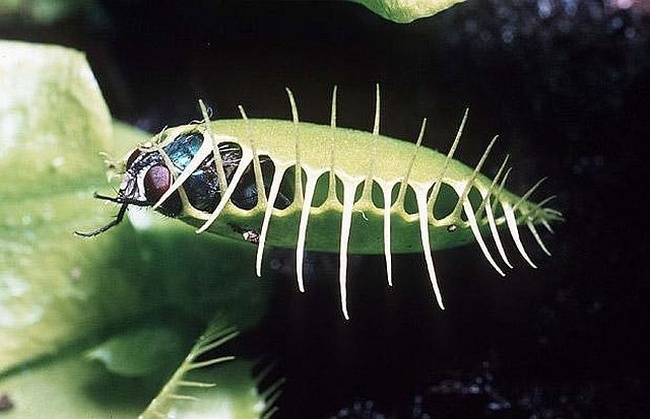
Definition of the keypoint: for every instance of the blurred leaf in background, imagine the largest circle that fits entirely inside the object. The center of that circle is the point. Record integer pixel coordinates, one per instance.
(50, 11)
(133, 300)
(406, 11)
(47, 12)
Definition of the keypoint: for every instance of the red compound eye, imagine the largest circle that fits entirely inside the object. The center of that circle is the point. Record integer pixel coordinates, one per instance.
(157, 181)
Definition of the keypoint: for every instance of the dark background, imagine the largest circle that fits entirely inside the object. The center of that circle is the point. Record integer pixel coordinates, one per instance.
(566, 84)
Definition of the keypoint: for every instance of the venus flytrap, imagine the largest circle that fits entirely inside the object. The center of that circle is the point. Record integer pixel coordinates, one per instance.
(317, 187)
(196, 389)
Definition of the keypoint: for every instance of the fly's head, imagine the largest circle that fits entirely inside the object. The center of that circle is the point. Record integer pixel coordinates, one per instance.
(149, 171)
(145, 178)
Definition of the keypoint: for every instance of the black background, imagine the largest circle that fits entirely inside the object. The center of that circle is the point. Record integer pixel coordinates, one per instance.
(566, 85)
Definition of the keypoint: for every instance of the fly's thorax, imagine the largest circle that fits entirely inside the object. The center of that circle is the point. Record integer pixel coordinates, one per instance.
(182, 162)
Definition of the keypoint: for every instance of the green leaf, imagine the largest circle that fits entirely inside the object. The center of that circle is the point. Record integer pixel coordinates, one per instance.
(206, 385)
(72, 387)
(53, 119)
(234, 395)
(406, 11)
(60, 294)
(47, 12)
(142, 352)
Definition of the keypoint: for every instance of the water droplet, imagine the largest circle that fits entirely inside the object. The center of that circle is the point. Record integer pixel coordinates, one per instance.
(15, 310)
(75, 273)
(57, 162)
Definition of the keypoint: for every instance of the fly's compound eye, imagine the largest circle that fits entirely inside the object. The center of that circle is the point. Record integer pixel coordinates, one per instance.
(157, 181)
